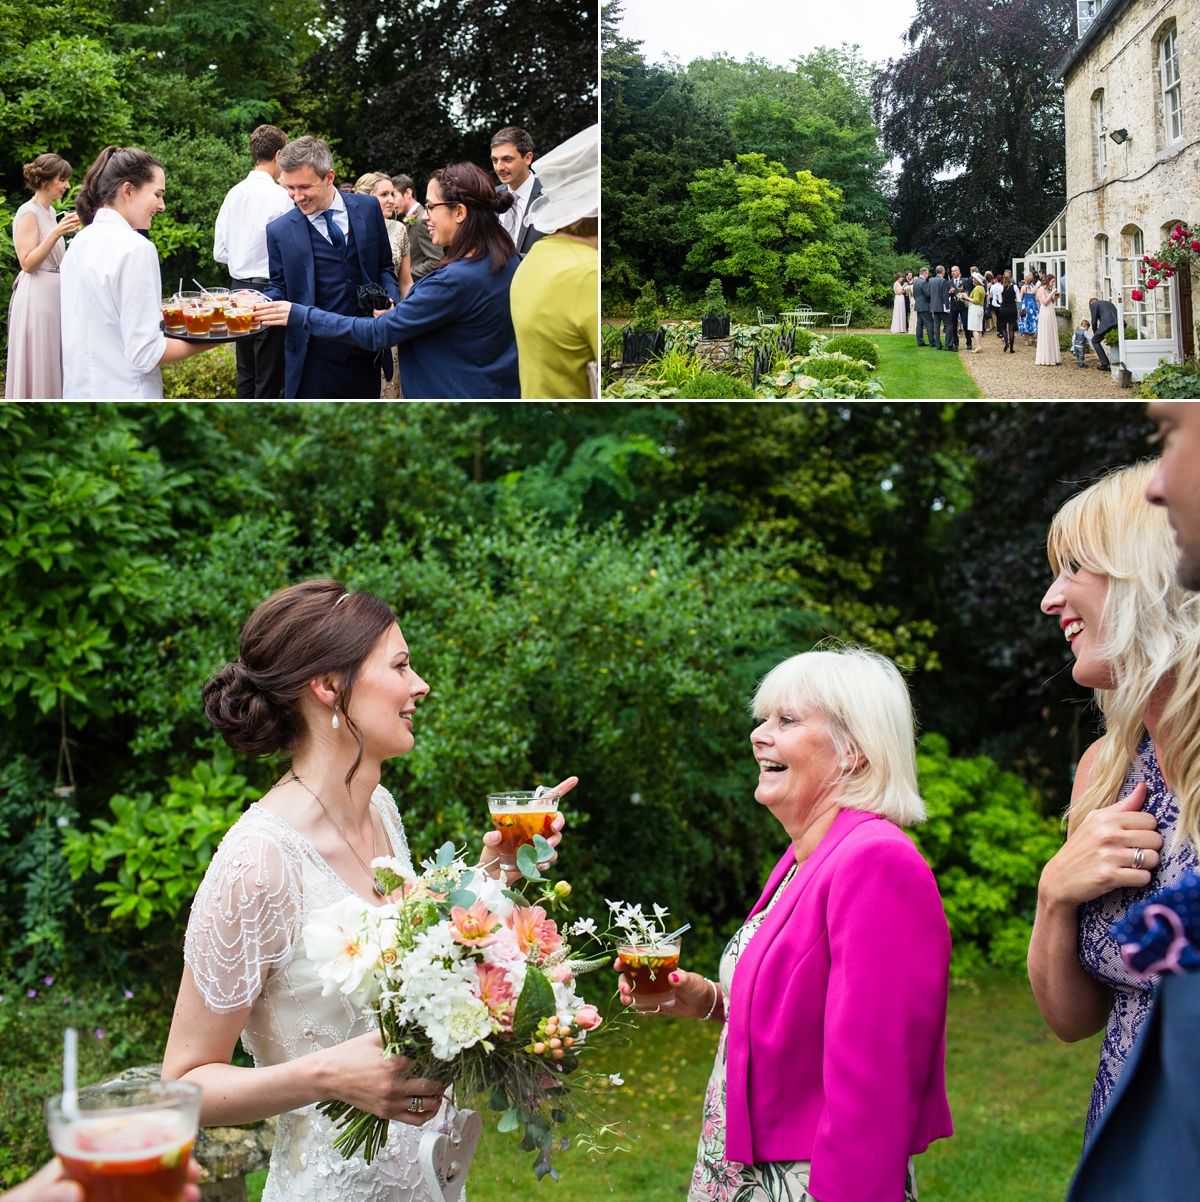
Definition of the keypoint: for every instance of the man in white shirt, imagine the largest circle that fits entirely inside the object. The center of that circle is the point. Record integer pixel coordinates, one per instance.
(240, 242)
(512, 153)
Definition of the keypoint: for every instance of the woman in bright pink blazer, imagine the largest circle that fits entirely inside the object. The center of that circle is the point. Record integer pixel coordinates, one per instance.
(830, 1070)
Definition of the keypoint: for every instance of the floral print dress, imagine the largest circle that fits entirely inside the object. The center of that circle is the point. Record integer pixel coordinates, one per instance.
(716, 1179)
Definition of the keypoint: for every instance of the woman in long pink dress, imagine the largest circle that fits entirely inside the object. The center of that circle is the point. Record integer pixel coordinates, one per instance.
(35, 370)
(1048, 354)
(899, 316)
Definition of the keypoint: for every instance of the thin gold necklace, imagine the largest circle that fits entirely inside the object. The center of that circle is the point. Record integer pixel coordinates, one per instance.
(374, 846)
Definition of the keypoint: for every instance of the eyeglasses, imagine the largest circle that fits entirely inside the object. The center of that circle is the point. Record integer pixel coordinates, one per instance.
(439, 204)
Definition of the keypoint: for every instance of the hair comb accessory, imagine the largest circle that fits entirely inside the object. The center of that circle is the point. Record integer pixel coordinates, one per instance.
(340, 600)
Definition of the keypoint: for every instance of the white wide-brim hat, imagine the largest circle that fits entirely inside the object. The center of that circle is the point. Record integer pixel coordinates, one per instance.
(570, 176)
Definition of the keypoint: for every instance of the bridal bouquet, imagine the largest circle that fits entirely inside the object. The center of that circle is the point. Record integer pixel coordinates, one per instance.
(470, 980)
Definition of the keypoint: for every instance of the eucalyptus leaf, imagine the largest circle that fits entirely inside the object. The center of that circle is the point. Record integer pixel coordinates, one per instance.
(445, 855)
(527, 862)
(516, 898)
(461, 897)
(508, 1121)
(541, 845)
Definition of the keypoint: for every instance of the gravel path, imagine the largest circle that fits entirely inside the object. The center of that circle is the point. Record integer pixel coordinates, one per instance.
(1017, 378)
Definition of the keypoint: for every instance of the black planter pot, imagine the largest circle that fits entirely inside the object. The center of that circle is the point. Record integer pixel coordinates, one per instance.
(641, 348)
(715, 327)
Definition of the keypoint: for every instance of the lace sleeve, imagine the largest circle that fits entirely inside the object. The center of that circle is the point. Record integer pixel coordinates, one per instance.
(243, 919)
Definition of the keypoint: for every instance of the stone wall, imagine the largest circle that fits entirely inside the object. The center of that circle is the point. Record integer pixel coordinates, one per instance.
(1148, 184)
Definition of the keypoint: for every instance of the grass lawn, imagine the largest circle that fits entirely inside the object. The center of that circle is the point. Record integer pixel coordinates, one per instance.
(907, 373)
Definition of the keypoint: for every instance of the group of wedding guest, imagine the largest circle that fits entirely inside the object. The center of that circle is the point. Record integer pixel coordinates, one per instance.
(87, 323)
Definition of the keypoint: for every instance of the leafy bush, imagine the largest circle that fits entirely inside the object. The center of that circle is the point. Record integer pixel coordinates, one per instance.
(854, 345)
(162, 847)
(714, 385)
(803, 342)
(1170, 381)
(822, 366)
(645, 311)
(1064, 339)
(986, 841)
(675, 367)
(208, 376)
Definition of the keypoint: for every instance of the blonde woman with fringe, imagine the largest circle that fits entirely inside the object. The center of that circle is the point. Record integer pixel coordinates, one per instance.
(1135, 635)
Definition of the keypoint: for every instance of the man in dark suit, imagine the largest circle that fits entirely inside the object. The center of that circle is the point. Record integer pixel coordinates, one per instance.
(423, 256)
(1146, 1146)
(319, 254)
(1104, 318)
(925, 322)
(960, 289)
(939, 304)
(512, 153)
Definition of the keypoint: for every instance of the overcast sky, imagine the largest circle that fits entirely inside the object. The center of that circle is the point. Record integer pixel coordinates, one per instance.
(777, 30)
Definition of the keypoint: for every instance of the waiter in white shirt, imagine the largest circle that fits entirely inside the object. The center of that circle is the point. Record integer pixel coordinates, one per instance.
(512, 153)
(113, 344)
(240, 242)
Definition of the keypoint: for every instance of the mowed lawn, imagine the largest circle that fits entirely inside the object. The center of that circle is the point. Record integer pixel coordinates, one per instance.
(1018, 1095)
(909, 373)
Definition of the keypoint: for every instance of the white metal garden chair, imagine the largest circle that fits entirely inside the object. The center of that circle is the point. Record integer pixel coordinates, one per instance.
(767, 319)
(841, 323)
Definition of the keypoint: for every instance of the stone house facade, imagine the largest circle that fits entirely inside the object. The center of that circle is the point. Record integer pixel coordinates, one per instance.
(1132, 89)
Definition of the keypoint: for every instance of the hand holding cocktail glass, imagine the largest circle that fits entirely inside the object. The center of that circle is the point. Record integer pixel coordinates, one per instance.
(515, 826)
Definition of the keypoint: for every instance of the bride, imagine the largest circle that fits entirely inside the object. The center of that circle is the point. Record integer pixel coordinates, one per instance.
(325, 674)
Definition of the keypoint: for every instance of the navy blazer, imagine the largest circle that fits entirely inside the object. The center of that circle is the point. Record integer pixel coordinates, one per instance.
(454, 330)
(293, 272)
(1146, 1146)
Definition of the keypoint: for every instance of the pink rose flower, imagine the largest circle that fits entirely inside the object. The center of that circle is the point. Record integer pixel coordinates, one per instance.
(587, 1017)
(1137, 294)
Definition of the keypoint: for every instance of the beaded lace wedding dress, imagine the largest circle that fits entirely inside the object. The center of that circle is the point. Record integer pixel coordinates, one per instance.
(244, 948)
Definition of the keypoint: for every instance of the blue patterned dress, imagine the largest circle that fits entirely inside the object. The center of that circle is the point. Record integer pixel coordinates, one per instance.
(1098, 951)
(1027, 318)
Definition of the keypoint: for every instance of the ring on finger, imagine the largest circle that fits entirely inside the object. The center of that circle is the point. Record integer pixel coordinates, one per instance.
(415, 1106)
(1139, 856)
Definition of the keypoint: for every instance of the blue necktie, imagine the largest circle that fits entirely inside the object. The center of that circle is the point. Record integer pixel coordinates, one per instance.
(335, 234)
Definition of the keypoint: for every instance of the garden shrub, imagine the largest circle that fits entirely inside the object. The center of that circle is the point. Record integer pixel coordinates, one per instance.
(715, 385)
(826, 367)
(162, 847)
(987, 842)
(645, 311)
(854, 345)
(208, 376)
(1170, 381)
(803, 343)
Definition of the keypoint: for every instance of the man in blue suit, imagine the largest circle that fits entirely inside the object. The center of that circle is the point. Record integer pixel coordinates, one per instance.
(320, 254)
(1146, 1146)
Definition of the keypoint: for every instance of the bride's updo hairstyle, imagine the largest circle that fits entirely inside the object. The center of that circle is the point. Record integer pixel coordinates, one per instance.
(308, 630)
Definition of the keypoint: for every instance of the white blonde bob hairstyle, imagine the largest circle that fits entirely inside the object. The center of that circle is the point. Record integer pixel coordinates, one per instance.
(865, 701)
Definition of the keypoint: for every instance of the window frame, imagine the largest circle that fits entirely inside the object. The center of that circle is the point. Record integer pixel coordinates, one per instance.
(1100, 128)
(1172, 86)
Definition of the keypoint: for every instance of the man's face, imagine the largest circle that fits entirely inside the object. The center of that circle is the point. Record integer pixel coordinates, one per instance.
(511, 167)
(404, 201)
(1176, 484)
(311, 193)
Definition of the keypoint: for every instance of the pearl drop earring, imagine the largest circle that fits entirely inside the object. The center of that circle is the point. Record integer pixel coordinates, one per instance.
(845, 765)
(335, 718)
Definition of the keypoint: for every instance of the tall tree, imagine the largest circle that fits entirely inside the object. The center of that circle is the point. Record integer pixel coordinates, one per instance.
(656, 133)
(413, 86)
(974, 114)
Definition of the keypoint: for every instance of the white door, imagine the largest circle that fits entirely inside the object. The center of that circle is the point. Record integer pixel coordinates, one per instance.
(1154, 319)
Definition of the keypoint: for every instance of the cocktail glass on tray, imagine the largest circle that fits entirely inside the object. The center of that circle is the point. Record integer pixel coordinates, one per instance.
(172, 311)
(239, 318)
(519, 816)
(127, 1141)
(649, 967)
(220, 301)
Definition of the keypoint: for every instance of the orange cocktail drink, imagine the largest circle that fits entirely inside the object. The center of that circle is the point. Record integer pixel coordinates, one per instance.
(129, 1141)
(172, 311)
(239, 320)
(519, 817)
(649, 967)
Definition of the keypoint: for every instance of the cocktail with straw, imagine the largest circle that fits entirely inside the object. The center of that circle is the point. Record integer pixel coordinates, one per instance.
(648, 954)
(127, 1141)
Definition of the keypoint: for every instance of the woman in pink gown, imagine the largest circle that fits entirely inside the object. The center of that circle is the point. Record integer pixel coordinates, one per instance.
(35, 369)
(899, 316)
(1048, 354)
